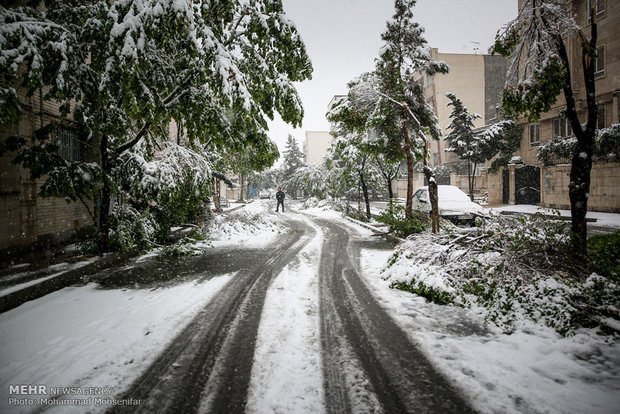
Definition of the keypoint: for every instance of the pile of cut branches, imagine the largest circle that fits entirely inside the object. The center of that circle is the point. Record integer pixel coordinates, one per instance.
(515, 268)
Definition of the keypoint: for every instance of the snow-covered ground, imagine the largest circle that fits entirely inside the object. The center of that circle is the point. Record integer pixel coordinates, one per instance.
(87, 336)
(90, 337)
(602, 219)
(534, 370)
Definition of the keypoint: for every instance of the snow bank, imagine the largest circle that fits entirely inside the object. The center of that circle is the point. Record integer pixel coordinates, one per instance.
(532, 370)
(90, 337)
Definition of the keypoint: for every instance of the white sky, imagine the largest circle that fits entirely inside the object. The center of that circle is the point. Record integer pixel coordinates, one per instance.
(343, 38)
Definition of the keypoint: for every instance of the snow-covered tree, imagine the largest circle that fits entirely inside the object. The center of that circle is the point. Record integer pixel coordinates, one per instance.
(313, 180)
(462, 140)
(475, 147)
(356, 114)
(293, 160)
(540, 69)
(406, 54)
(124, 69)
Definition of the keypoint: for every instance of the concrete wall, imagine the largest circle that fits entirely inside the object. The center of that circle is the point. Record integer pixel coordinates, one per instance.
(604, 187)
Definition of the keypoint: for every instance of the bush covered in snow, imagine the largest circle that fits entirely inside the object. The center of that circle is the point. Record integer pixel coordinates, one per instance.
(514, 269)
(323, 204)
(132, 230)
(400, 226)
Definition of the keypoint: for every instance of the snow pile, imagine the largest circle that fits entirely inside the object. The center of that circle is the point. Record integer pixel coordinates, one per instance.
(254, 225)
(313, 203)
(533, 370)
(517, 270)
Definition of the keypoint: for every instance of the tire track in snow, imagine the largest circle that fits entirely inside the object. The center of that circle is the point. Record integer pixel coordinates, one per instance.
(401, 377)
(215, 351)
(287, 375)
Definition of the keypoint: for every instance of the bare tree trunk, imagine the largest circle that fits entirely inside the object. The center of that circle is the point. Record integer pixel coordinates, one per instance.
(365, 190)
(409, 201)
(581, 165)
(242, 187)
(103, 234)
(216, 194)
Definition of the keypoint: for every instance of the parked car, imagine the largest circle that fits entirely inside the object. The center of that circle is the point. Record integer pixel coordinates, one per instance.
(264, 194)
(454, 204)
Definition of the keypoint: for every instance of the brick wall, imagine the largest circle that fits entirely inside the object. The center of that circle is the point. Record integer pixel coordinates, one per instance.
(26, 218)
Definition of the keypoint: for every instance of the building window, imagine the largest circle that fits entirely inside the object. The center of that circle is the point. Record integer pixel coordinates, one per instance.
(600, 117)
(600, 8)
(561, 127)
(599, 61)
(534, 132)
(70, 143)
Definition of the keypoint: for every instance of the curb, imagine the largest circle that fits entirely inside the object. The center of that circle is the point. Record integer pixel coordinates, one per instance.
(70, 277)
(549, 216)
(19, 297)
(389, 237)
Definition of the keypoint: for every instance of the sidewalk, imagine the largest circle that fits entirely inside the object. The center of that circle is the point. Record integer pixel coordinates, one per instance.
(601, 219)
(36, 274)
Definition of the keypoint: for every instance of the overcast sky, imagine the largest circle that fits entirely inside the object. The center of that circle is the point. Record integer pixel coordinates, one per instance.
(343, 38)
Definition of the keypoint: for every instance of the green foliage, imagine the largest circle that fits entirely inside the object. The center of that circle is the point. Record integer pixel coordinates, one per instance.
(536, 97)
(400, 226)
(132, 230)
(603, 255)
(433, 295)
(606, 146)
(516, 269)
(358, 215)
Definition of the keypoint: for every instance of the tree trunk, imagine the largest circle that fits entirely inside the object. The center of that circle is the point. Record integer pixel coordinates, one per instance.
(434, 198)
(242, 187)
(103, 234)
(409, 201)
(216, 194)
(581, 166)
(472, 186)
(579, 190)
(365, 192)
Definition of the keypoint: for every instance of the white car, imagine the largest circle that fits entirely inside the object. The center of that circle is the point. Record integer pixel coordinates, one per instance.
(454, 204)
(264, 194)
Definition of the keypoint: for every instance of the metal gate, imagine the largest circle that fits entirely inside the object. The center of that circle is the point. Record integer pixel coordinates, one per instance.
(527, 185)
(505, 186)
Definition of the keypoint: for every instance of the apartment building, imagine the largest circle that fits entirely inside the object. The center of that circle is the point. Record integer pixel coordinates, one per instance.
(316, 146)
(532, 182)
(477, 80)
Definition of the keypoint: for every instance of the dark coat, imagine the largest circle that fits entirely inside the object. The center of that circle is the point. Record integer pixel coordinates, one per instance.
(280, 196)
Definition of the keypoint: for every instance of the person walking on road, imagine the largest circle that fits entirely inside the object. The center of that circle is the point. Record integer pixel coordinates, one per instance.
(280, 197)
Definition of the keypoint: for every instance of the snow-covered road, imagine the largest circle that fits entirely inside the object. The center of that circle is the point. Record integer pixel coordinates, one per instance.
(285, 321)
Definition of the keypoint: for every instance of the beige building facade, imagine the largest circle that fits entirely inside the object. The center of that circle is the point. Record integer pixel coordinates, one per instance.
(25, 218)
(477, 80)
(316, 146)
(553, 179)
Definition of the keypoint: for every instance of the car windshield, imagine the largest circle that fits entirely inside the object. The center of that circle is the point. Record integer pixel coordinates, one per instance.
(451, 193)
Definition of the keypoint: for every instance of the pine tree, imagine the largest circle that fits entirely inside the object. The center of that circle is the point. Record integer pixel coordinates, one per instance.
(293, 161)
(475, 148)
(404, 55)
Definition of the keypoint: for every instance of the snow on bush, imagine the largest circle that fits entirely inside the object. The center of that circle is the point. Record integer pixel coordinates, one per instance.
(251, 226)
(515, 269)
(324, 204)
